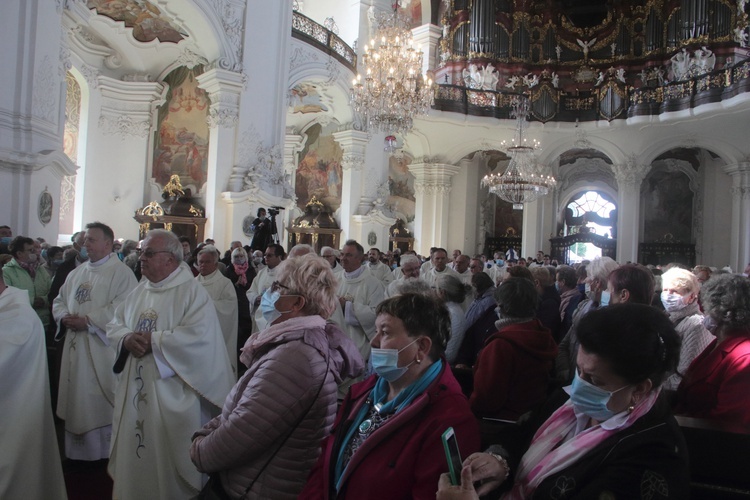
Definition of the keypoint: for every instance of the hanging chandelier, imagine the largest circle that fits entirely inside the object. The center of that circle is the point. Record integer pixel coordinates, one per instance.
(524, 179)
(393, 90)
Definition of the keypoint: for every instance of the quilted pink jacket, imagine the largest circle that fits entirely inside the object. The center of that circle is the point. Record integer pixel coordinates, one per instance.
(286, 365)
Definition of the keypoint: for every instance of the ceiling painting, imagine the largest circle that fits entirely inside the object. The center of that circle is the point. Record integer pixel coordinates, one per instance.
(148, 22)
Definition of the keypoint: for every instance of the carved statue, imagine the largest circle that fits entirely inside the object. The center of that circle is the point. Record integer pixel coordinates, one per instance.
(512, 82)
(613, 47)
(680, 64)
(741, 36)
(705, 60)
(531, 80)
(600, 79)
(481, 78)
(620, 74)
(173, 187)
(586, 46)
(555, 79)
(558, 51)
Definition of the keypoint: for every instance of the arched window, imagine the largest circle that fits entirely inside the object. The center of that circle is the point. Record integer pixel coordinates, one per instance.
(591, 212)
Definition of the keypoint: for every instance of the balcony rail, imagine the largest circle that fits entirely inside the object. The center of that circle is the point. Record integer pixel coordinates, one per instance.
(613, 100)
(307, 30)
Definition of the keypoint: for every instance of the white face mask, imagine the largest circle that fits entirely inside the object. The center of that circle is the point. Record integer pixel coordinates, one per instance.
(672, 301)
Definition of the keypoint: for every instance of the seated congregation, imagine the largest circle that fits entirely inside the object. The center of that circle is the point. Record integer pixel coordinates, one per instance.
(270, 375)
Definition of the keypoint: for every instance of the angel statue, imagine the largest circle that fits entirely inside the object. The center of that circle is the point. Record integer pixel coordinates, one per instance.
(586, 46)
(512, 82)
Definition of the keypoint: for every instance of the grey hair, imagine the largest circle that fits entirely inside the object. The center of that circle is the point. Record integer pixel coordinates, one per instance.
(726, 298)
(414, 285)
(209, 249)
(452, 287)
(171, 242)
(300, 250)
(325, 249)
(600, 268)
(409, 259)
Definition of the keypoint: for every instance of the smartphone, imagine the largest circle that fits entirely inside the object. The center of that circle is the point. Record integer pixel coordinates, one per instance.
(452, 455)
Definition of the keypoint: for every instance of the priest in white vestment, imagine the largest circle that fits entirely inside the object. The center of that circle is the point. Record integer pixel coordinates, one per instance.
(29, 458)
(82, 309)
(439, 262)
(381, 271)
(359, 294)
(410, 268)
(222, 293)
(175, 375)
(274, 254)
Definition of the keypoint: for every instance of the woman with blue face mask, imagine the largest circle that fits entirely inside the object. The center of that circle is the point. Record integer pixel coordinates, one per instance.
(284, 404)
(386, 442)
(611, 435)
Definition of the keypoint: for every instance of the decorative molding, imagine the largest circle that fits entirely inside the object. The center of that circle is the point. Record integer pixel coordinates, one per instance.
(224, 89)
(44, 98)
(137, 77)
(231, 14)
(64, 62)
(353, 161)
(90, 74)
(124, 125)
(630, 174)
(190, 59)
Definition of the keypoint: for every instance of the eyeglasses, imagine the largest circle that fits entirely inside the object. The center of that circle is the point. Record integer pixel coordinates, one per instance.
(150, 253)
(276, 287)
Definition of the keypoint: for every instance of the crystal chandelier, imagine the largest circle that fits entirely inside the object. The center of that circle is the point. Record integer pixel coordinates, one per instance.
(393, 90)
(524, 179)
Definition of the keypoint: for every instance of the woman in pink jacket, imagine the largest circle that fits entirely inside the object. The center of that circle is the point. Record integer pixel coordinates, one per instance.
(268, 435)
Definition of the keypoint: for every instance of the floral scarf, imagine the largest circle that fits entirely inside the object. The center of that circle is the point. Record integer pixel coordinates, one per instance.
(241, 270)
(549, 453)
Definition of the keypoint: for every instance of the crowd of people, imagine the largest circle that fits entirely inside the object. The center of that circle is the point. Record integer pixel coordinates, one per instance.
(257, 373)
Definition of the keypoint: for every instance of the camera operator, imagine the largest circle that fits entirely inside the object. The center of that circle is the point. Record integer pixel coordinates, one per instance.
(262, 227)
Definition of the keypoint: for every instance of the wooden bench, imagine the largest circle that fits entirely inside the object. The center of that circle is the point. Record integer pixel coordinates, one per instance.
(719, 459)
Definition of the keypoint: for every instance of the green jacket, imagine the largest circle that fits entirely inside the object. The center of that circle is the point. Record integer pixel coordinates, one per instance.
(15, 275)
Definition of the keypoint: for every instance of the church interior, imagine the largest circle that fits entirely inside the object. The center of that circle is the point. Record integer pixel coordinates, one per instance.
(192, 114)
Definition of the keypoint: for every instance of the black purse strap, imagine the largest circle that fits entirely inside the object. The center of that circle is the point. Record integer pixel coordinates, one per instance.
(296, 424)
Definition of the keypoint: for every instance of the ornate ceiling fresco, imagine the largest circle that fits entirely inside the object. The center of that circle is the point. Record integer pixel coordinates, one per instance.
(148, 22)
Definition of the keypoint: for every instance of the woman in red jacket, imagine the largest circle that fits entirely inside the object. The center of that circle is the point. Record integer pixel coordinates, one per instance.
(717, 382)
(386, 441)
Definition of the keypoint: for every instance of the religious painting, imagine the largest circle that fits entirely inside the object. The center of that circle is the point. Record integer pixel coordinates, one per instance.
(319, 171)
(147, 20)
(668, 207)
(181, 142)
(401, 200)
(70, 148)
(305, 98)
(508, 222)
(413, 9)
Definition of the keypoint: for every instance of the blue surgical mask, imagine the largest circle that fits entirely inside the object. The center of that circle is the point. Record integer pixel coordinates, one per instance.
(590, 399)
(604, 299)
(5, 240)
(268, 306)
(499, 262)
(120, 255)
(57, 262)
(672, 301)
(385, 363)
(83, 253)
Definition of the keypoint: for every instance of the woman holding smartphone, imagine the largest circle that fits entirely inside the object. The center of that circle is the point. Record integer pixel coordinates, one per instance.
(610, 436)
(386, 441)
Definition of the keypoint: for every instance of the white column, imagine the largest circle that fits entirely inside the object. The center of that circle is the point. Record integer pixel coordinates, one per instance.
(293, 144)
(224, 89)
(629, 177)
(32, 114)
(739, 249)
(120, 141)
(354, 145)
(427, 39)
(432, 187)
